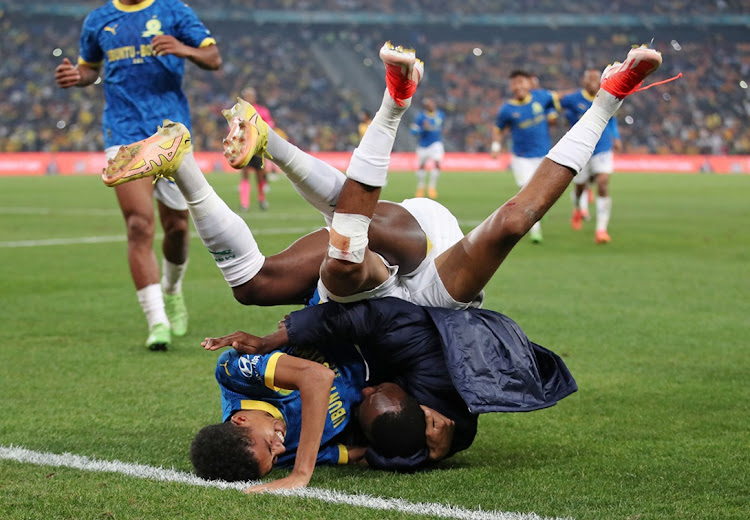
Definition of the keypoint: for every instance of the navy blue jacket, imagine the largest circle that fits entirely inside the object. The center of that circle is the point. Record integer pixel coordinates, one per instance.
(460, 363)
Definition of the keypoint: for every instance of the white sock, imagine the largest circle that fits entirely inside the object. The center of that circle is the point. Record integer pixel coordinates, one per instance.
(152, 303)
(536, 228)
(421, 179)
(171, 276)
(222, 231)
(576, 147)
(371, 159)
(189, 177)
(603, 211)
(318, 182)
(583, 202)
(434, 174)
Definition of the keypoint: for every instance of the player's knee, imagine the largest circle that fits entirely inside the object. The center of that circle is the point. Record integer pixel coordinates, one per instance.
(139, 227)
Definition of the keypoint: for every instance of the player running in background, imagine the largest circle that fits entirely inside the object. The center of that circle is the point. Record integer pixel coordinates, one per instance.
(601, 164)
(525, 117)
(428, 127)
(256, 164)
(142, 45)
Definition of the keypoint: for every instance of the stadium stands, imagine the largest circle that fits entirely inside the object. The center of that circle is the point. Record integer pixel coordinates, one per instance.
(700, 114)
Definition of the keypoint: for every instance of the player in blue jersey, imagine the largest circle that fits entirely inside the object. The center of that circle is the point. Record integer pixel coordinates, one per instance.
(428, 127)
(525, 118)
(289, 408)
(142, 46)
(601, 164)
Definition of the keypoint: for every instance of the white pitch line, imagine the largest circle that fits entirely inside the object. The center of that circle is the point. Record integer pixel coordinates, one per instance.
(93, 212)
(122, 238)
(69, 460)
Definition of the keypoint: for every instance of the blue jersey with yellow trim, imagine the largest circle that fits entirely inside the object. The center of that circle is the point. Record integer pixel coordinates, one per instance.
(428, 127)
(527, 119)
(246, 383)
(141, 89)
(575, 105)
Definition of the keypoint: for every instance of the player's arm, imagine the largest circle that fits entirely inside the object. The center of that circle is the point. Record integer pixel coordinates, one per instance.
(498, 134)
(205, 56)
(68, 75)
(313, 381)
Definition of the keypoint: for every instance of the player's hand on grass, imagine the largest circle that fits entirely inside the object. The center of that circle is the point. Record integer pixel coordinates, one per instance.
(356, 455)
(293, 481)
(66, 74)
(439, 433)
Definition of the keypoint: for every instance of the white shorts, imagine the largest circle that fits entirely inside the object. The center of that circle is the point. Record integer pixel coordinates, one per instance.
(422, 286)
(523, 168)
(601, 163)
(435, 151)
(165, 190)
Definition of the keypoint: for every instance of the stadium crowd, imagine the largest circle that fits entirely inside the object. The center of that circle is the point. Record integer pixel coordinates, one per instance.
(702, 113)
(478, 7)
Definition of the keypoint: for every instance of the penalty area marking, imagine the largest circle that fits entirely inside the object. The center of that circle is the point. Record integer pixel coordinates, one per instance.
(68, 460)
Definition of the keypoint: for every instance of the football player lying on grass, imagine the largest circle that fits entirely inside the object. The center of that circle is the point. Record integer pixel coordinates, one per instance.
(445, 367)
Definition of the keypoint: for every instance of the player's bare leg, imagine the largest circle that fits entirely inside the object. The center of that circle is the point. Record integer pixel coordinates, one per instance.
(466, 267)
(350, 266)
(136, 203)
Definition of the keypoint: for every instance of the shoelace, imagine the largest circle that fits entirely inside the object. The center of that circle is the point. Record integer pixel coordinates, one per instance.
(678, 76)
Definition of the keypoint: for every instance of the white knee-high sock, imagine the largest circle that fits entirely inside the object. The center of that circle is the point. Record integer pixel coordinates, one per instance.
(576, 147)
(222, 231)
(603, 211)
(318, 182)
(152, 303)
(371, 159)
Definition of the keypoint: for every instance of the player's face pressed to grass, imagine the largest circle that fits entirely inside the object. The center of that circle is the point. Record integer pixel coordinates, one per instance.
(267, 435)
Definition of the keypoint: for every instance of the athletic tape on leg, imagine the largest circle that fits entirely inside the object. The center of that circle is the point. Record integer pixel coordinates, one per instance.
(348, 237)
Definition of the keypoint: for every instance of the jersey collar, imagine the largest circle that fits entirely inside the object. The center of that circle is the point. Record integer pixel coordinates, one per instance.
(250, 404)
(524, 101)
(132, 8)
(586, 95)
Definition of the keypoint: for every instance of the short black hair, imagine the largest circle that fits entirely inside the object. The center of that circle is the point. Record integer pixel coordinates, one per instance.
(223, 452)
(518, 72)
(399, 434)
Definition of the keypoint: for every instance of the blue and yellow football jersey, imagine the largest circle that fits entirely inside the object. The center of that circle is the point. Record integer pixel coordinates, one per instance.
(141, 89)
(527, 119)
(428, 127)
(246, 383)
(574, 106)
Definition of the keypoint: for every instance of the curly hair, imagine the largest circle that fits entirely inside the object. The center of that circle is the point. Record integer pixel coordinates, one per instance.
(223, 452)
(399, 434)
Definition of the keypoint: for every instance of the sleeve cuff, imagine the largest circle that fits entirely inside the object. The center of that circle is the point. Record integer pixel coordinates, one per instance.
(207, 42)
(90, 64)
(343, 454)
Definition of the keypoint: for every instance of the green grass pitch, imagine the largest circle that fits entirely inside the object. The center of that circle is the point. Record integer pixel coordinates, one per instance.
(654, 327)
